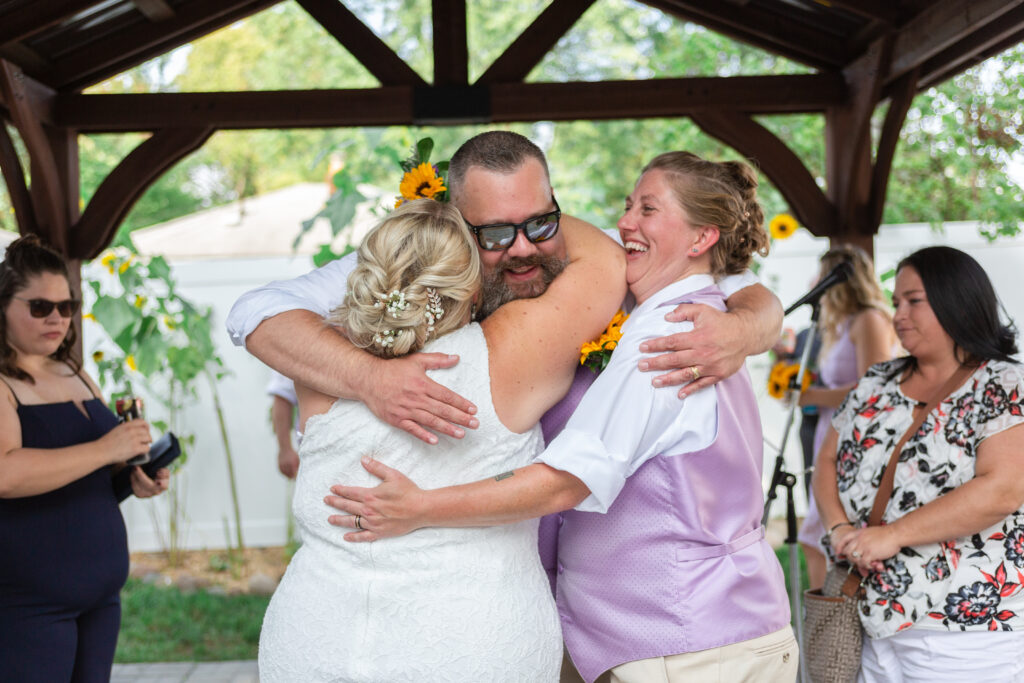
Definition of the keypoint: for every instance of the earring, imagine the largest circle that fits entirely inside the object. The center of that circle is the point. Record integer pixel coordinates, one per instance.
(695, 250)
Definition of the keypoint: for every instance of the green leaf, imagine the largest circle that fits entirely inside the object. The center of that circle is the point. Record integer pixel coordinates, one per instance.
(159, 269)
(423, 149)
(115, 315)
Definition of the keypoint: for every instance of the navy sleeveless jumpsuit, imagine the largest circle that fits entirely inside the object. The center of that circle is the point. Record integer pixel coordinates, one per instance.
(63, 560)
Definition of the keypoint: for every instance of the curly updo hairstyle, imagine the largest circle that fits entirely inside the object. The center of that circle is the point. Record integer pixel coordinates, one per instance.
(723, 194)
(423, 245)
(26, 258)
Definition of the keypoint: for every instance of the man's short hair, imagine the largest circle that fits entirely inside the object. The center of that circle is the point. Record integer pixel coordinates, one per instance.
(500, 151)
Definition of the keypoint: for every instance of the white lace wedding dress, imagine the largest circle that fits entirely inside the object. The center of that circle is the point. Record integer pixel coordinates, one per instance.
(452, 605)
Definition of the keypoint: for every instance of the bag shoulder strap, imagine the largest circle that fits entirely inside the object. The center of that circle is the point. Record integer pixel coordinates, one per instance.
(889, 476)
(852, 586)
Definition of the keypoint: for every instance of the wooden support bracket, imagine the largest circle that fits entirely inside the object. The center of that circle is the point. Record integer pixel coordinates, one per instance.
(126, 183)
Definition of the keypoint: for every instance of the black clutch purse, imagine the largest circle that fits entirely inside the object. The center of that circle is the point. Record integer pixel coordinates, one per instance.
(162, 453)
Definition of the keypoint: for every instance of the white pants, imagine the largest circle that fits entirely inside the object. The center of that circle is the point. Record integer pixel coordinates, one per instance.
(917, 656)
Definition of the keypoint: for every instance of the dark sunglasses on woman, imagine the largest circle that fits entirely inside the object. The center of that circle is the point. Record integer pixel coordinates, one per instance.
(499, 236)
(40, 308)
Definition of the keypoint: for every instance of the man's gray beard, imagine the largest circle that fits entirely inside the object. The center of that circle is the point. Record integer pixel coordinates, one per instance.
(495, 292)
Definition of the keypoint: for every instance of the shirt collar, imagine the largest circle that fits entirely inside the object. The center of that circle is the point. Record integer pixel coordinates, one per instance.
(675, 290)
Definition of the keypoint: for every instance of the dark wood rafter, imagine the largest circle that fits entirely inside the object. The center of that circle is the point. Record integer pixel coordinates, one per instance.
(881, 11)
(96, 62)
(777, 161)
(848, 140)
(991, 39)
(535, 42)
(451, 49)
(154, 10)
(48, 195)
(356, 37)
(899, 104)
(772, 32)
(941, 27)
(126, 183)
(670, 97)
(33, 18)
(17, 188)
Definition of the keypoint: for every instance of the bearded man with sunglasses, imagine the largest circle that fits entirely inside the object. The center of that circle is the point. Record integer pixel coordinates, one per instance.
(499, 182)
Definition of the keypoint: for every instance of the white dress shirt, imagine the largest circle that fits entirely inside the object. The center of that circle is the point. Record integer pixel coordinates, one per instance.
(622, 420)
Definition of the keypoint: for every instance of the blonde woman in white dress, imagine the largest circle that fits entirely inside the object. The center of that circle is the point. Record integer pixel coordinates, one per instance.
(449, 605)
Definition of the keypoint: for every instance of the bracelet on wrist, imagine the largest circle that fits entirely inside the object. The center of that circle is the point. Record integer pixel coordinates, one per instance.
(836, 526)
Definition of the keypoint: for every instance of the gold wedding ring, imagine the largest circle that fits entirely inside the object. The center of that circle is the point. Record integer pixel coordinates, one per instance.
(359, 522)
(695, 372)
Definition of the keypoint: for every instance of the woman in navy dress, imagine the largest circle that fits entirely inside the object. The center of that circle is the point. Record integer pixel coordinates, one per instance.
(62, 538)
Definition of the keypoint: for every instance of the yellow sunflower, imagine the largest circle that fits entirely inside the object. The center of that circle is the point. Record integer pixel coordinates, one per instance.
(782, 226)
(421, 182)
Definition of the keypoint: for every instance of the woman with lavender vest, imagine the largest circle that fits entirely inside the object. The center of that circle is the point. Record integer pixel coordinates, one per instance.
(664, 573)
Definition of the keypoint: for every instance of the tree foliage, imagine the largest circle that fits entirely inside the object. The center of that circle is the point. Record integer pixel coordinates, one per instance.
(951, 163)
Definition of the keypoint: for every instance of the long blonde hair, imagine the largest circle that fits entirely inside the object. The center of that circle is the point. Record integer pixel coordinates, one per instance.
(419, 260)
(859, 293)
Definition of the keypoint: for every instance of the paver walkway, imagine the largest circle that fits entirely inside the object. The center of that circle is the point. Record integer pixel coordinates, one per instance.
(186, 672)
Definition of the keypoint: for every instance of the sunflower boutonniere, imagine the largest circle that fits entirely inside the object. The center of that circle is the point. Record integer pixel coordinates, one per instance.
(598, 353)
(422, 180)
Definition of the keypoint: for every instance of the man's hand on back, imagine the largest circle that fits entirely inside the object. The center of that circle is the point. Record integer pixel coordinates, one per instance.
(398, 391)
(716, 347)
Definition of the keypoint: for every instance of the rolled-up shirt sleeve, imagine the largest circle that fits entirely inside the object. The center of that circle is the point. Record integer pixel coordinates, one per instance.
(623, 421)
(319, 291)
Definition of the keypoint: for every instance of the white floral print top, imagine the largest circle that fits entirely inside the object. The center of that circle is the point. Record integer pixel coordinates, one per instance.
(973, 583)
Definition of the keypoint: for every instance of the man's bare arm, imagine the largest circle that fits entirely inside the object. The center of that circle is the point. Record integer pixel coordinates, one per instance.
(719, 343)
(299, 345)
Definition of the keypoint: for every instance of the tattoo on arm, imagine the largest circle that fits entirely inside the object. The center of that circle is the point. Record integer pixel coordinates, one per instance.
(503, 475)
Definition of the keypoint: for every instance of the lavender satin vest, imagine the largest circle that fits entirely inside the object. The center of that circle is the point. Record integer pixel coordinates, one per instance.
(679, 562)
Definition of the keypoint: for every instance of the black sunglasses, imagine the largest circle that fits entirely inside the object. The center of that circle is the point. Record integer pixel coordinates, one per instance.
(499, 236)
(40, 308)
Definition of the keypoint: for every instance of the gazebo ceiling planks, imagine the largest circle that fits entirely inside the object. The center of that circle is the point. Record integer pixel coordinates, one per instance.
(863, 52)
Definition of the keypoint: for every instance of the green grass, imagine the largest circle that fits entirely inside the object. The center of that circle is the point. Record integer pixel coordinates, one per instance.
(165, 625)
(783, 555)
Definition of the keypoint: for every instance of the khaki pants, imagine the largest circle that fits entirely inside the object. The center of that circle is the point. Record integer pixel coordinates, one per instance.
(769, 659)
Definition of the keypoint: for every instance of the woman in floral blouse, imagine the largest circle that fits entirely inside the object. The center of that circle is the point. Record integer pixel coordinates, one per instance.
(945, 570)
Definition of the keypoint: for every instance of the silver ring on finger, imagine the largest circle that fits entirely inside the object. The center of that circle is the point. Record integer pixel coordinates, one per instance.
(855, 554)
(359, 522)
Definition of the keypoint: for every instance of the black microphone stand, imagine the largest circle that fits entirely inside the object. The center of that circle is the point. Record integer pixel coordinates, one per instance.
(780, 477)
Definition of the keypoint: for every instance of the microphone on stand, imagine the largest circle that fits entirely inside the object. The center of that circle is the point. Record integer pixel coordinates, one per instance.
(841, 273)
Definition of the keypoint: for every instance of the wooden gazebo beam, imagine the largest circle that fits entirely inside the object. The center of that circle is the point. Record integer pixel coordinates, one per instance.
(356, 37)
(32, 18)
(535, 42)
(451, 50)
(17, 188)
(96, 62)
(879, 10)
(775, 33)
(775, 160)
(395, 105)
(941, 27)
(49, 194)
(126, 183)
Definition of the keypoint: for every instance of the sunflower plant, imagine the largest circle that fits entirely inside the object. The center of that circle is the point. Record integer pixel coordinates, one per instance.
(161, 342)
(782, 378)
(782, 226)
